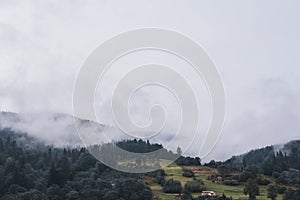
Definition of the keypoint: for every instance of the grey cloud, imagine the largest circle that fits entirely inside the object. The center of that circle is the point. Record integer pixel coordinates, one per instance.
(254, 44)
(272, 120)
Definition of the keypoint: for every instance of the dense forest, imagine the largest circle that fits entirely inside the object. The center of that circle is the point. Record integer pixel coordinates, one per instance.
(44, 172)
(282, 165)
(30, 169)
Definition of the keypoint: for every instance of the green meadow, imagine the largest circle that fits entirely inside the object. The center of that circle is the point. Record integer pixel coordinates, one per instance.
(175, 172)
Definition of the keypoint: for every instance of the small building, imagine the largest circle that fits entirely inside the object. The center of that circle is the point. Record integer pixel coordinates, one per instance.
(219, 179)
(208, 194)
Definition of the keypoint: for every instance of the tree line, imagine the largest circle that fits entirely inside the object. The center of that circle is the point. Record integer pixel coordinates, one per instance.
(47, 173)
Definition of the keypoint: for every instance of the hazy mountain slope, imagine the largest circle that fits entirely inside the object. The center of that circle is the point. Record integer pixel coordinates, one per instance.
(54, 129)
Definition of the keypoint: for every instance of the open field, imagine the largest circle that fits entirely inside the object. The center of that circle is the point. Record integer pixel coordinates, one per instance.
(175, 172)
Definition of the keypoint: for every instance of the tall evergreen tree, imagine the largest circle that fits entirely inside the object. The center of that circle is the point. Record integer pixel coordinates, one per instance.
(272, 192)
(251, 189)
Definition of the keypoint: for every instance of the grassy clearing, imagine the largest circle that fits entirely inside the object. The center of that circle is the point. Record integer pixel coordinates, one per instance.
(175, 172)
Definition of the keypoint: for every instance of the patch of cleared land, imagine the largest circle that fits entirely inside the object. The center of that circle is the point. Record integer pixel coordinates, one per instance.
(175, 172)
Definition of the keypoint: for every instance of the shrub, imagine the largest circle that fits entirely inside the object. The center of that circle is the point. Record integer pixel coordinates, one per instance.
(231, 182)
(195, 186)
(262, 181)
(172, 186)
(276, 174)
(290, 177)
(281, 189)
(188, 173)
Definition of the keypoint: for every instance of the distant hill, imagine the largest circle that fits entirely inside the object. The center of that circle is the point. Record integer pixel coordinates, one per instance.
(36, 163)
(282, 164)
(259, 156)
(53, 129)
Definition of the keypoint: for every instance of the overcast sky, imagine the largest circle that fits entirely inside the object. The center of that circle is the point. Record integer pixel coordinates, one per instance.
(254, 44)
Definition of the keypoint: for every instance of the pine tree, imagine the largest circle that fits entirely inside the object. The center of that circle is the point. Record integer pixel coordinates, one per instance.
(251, 189)
(272, 192)
(53, 175)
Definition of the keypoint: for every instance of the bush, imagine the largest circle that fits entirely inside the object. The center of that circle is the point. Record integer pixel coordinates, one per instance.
(172, 186)
(188, 161)
(249, 172)
(262, 181)
(276, 174)
(212, 177)
(281, 189)
(195, 186)
(290, 177)
(159, 180)
(188, 173)
(158, 176)
(231, 182)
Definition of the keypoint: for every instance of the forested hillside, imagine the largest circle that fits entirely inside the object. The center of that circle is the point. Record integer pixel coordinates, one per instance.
(261, 166)
(30, 169)
(283, 165)
(44, 172)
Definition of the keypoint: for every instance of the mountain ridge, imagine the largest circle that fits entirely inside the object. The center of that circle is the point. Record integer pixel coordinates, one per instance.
(59, 130)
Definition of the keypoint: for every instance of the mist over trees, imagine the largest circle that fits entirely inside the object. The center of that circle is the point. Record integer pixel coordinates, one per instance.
(50, 173)
(250, 169)
(33, 170)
